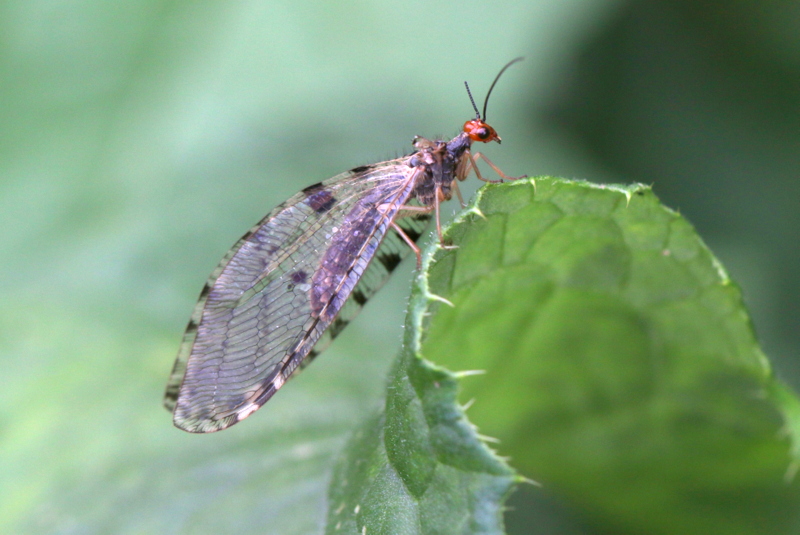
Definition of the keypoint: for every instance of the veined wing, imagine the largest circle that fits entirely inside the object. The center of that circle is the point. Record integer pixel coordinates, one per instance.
(277, 291)
(392, 250)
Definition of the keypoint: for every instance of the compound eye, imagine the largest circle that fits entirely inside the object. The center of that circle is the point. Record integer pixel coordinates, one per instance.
(477, 130)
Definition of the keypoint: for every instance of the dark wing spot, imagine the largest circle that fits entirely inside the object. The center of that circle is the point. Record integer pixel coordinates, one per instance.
(321, 201)
(360, 169)
(390, 261)
(269, 391)
(299, 277)
(337, 326)
(205, 292)
(359, 297)
(306, 361)
(171, 397)
(192, 326)
(268, 385)
(313, 188)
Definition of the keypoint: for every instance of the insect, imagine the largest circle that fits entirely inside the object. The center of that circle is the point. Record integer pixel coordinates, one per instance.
(298, 277)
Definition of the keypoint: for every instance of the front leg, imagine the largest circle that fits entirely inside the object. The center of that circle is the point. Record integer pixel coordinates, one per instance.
(472, 165)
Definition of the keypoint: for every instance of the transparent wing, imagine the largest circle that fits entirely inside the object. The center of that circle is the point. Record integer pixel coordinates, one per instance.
(280, 287)
(390, 253)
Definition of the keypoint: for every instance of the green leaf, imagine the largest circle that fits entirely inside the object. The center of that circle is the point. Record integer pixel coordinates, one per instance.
(418, 466)
(622, 371)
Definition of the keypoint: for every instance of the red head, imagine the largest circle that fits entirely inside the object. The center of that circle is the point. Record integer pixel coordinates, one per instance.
(477, 129)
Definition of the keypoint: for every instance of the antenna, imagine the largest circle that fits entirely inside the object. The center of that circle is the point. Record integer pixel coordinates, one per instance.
(477, 113)
(485, 102)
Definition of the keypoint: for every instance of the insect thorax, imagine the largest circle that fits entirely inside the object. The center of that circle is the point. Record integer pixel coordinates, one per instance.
(438, 162)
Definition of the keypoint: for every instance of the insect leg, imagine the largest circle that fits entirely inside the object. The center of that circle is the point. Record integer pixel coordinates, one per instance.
(409, 241)
(474, 158)
(454, 186)
(420, 209)
(472, 166)
(437, 200)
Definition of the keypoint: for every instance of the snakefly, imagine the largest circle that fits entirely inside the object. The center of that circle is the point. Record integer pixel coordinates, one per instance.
(298, 277)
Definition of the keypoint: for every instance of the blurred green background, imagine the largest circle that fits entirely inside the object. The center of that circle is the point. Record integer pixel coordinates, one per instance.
(140, 140)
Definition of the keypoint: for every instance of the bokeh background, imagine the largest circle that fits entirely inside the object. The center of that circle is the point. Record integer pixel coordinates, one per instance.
(139, 140)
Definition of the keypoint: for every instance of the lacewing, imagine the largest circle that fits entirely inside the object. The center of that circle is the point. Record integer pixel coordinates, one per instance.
(297, 278)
